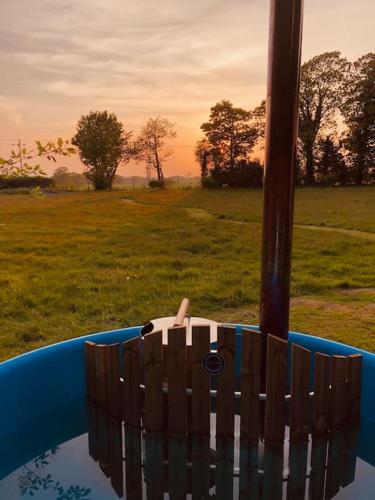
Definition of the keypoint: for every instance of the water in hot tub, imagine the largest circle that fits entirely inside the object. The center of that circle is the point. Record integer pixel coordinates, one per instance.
(77, 453)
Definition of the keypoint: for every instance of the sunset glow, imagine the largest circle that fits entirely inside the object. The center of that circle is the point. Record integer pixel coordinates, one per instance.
(63, 58)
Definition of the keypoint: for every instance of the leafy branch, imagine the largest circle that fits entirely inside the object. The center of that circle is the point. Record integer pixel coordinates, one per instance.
(20, 163)
(33, 481)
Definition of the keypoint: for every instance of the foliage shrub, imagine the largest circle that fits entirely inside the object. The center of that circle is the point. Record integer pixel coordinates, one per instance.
(328, 180)
(209, 182)
(24, 182)
(156, 184)
(244, 174)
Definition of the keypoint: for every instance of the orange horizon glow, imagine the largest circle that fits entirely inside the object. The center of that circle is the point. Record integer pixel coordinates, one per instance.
(137, 61)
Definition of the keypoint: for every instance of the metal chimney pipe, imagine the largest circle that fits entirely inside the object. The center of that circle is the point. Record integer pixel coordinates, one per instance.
(281, 135)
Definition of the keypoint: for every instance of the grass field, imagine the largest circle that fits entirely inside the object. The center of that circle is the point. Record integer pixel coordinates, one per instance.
(81, 262)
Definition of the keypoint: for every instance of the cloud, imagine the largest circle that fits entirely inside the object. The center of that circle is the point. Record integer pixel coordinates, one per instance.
(10, 111)
(168, 57)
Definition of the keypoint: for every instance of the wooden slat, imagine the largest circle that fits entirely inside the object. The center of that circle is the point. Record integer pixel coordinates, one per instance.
(318, 468)
(250, 384)
(103, 442)
(297, 470)
(114, 386)
(225, 404)
(335, 462)
(101, 379)
(132, 380)
(177, 409)
(177, 470)
(133, 463)
(224, 468)
(300, 400)
(321, 403)
(189, 370)
(354, 388)
(276, 375)
(350, 456)
(154, 465)
(339, 392)
(90, 370)
(249, 476)
(115, 457)
(165, 362)
(200, 382)
(272, 481)
(200, 467)
(93, 431)
(153, 366)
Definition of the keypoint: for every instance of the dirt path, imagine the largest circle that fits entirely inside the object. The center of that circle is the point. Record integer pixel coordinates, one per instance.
(201, 213)
(349, 232)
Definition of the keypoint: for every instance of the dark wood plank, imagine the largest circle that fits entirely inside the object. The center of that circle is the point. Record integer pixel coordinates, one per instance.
(276, 376)
(354, 388)
(93, 431)
(154, 466)
(322, 395)
(153, 366)
(200, 382)
(272, 481)
(133, 463)
(336, 454)
(115, 457)
(224, 468)
(200, 467)
(101, 379)
(250, 384)
(189, 381)
(177, 467)
(132, 381)
(90, 370)
(225, 402)
(249, 484)
(177, 409)
(350, 456)
(297, 470)
(339, 390)
(318, 467)
(114, 385)
(103, 442)
(300, 399)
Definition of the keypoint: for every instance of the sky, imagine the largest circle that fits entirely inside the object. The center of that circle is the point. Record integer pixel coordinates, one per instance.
(175, 58)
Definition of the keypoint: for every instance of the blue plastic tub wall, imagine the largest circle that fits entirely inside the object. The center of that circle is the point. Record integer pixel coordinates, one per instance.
(38, 382)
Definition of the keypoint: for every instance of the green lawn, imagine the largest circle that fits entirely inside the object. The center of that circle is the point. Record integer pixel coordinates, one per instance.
(81, 262)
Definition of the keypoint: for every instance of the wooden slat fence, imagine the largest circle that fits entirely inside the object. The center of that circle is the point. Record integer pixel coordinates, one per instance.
(175, 389)
(166, 387)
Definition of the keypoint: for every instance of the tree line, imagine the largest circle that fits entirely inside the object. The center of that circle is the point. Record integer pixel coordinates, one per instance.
(103, 145)
(332, 91)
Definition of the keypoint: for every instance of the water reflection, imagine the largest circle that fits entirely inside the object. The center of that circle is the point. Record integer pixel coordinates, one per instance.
(35, 478)
(158, 466)
(53, 458)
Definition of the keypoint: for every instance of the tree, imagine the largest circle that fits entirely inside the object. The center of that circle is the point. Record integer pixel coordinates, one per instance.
(18, 164)
(151, 147)
(202, 155)
(331, 166)
(63, 178)
(230, 134)
(323, 84)
(103, 145)
(244, 174)
(358, 109)
(259, 122)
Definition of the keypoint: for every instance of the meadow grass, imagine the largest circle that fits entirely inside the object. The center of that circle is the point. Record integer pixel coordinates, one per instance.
(82, 262)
